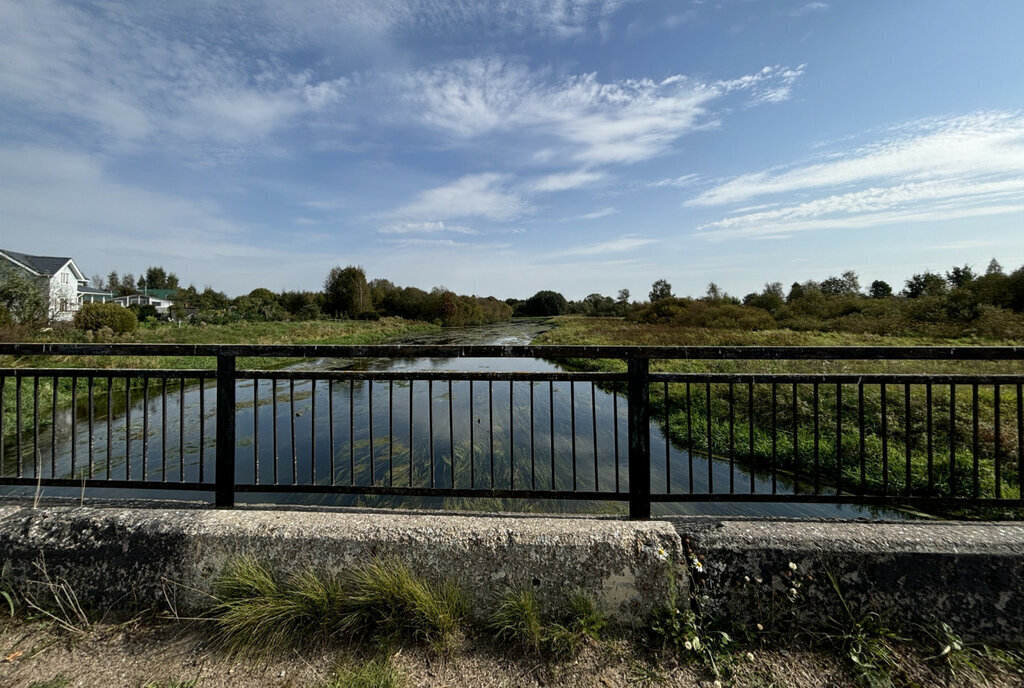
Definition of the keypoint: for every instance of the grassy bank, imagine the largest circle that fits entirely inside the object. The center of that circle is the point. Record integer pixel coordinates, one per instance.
(783, 437)
(354, 332)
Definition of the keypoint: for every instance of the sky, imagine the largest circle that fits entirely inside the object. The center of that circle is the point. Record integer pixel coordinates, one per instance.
(504, 147)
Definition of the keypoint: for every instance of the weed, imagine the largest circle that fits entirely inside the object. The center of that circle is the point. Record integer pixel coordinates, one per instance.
(386, 598)
(58, 681)
(518, 618)
(257, 612)
(644, 674)
(376, 673)
(183, 683)
(61, 604)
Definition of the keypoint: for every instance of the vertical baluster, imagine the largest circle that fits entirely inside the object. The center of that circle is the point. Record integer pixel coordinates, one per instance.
(411, 382)
(163, 429)
(1020, 441)
(998, 441)
(732, 438)
(202, 429)
(711, 461)
(391, 433)
(668, 457)
(35, 427)
(572, 423)
(512, 436)
(17, 427)
(533, 432)
(863, 445)
(472, 445)
(839, 438)
(53, 430)
(145, 426)
(312, 433)
(181, 429)
(451, 433)
(952, 440)
(796, 445)
(291, 425)
(907, 432)
(928, 438)
(490, 422)
(256, 430)
(127, 425)
(330, 427)
(976, 478)
(110, 422)
(370, 413)
(351, 432)
(3, 416)
(750, 433)
(430, 422)
(817, 438)
(593, 418)
(689, 436)
(615, 424)
(775, 438)
(273, 425)
(551, 437)
(90, 386)
(885, 440)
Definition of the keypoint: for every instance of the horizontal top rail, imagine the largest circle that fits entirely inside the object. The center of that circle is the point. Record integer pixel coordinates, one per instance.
(816, 353)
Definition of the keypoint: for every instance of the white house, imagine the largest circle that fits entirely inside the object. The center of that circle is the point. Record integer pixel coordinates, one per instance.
(65, 280)
(162, 305)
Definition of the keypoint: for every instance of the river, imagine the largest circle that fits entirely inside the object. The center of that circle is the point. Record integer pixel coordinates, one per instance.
(520, 437)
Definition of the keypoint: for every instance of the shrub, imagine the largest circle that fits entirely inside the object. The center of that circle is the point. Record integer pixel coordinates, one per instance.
(94, 316)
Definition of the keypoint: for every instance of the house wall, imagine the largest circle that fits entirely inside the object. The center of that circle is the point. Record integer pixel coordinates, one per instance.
(63, 294)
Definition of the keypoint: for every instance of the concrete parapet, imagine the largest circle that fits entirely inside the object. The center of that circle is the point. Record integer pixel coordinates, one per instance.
(133, 558)
(968, 575)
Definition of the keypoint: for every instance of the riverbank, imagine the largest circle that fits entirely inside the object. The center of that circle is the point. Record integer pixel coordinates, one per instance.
(773, 446)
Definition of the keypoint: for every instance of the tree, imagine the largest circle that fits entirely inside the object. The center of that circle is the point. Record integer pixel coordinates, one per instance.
(113, 281)
(623, 300)
(661, 289)
(925, 284)
(847, 284)
(994, 268)
(24, 298)
(880, 290)
(544, 302)
(346, 293)
(960, 277)
(158, 278)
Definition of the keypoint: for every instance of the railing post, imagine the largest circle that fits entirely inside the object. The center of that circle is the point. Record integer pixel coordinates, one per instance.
(225, 456)
(639, 430)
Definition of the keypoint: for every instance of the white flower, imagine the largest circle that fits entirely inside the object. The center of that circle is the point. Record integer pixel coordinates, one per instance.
(792, 593)
(688, 645)
(760, 627)
(696, 643)
(746, 579)
(717, 684)
(792, 566)
(750, 656)
(662, 554)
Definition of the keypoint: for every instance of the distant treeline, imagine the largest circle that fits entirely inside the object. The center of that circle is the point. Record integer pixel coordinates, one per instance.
(959, 303)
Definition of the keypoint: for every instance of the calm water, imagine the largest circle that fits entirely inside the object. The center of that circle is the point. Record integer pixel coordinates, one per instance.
(520, 437)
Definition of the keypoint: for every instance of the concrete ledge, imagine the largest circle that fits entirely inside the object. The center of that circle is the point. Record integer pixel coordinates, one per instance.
(969, 575)
(130, 558)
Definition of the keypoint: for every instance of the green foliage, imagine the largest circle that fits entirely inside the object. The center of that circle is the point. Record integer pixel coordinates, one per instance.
(58, 681)
(519, 619)
(23, 297)
(544, 303)
(712, 315)
(378, 672)
(96, 316)
(346, 293)
(661, 289)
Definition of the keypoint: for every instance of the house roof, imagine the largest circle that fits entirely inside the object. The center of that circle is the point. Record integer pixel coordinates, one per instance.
(42, 265)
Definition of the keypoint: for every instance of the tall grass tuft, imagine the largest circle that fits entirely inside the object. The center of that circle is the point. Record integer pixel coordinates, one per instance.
(386, 598)
(258, 613)
(519, 619)
(376, 673)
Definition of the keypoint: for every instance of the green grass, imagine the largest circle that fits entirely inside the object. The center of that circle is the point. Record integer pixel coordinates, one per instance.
(520, 620)
(258, 612)
(783, 442)
(378, 672)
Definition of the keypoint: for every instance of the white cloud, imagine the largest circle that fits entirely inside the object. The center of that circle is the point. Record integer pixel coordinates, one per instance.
(603, 212)
(623, 244)
(599, 123)
(424, 228)
(677, 182)
(134, 81)
(475, 195)
(809, 7)
(961, 167)
(565, 181)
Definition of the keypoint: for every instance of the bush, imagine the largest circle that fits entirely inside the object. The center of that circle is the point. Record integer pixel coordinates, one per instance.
(95, 316)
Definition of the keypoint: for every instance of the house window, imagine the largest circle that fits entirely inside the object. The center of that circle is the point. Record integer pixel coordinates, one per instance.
(63, 305)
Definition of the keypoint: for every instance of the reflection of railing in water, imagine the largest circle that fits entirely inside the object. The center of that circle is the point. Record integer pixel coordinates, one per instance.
(928, 440)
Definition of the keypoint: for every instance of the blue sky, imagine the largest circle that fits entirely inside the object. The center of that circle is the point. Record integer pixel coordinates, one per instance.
(509, 146)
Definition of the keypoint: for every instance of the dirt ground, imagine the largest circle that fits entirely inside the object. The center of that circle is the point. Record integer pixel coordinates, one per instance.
(176, 654)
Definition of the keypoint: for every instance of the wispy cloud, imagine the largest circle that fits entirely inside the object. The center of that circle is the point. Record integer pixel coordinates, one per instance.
(476, 195)
(603, 212)
(959, 167)
(677, 182)
(598, 123)
(623, 244)
(425, 228)
(564, 181)
(808, 8)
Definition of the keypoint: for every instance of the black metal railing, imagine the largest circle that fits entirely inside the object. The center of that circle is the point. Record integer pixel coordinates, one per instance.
(932, 440)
